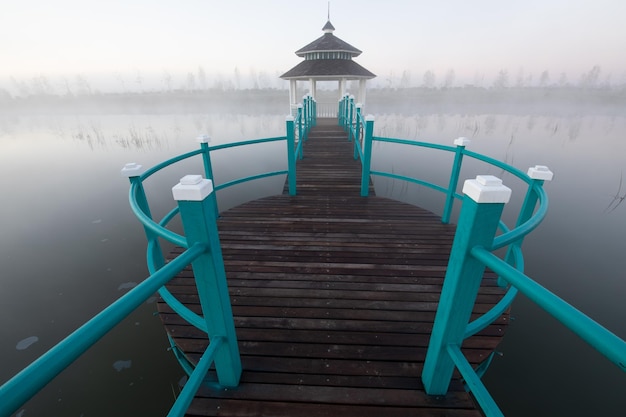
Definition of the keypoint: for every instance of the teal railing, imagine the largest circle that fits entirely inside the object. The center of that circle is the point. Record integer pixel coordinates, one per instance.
(197, 207)
(473, 249)
(483, 202)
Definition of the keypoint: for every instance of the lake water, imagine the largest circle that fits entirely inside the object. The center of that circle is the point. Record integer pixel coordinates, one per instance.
(70, 244)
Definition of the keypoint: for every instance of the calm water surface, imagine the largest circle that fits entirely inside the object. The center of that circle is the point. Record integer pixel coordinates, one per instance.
(70, 245)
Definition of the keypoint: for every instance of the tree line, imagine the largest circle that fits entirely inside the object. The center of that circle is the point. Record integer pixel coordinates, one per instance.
(200, 80)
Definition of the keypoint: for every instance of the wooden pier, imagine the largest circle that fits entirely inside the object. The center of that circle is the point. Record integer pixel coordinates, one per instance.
(334, 297)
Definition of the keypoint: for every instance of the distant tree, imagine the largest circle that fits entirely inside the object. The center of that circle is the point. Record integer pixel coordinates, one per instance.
(202, 79)
(139, 81)
(405, 80)
(82, 85)
(429, 79)
(167, 79)
(520, 79)
(590, 79)
(237, 77)
(120, 79)
(191, 82)
(479, 79)
(41, 86)
(502, 79)
(254, 78)
(66, 85)
(563, 79)
(544, 79)
(264, 80)
(449, 80)
(529, 79)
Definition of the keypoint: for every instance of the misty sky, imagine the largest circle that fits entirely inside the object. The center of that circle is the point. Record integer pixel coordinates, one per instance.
(88, 37)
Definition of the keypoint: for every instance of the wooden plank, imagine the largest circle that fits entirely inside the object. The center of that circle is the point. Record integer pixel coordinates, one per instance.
(334, 297)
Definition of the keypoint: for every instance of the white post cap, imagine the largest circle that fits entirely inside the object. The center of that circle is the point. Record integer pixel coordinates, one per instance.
(487, 189)
(540, 172)
(300, 106)
(359, 105)
(132, 170)
(462, 141)
(369, 118)
(192, 188)
(289, 118)
(204, 139)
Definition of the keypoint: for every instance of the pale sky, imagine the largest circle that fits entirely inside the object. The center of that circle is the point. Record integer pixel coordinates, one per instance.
(58, 38)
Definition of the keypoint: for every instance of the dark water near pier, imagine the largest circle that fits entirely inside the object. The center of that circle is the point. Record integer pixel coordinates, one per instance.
(70, 245)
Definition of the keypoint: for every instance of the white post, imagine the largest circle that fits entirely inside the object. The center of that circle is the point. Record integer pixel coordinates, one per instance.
(313, 88)
(293, 93)
(362, 90)
(342, 88)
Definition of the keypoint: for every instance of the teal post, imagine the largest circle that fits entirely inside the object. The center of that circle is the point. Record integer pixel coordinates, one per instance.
(357, 130)
(480, 214)
(307, 107)
(340, 111)
(345, 110)
(367, 156)
(350, 118)
(133, 171)
(199, 223)
(314, 113)
(538, 174)
(208, 167)
(460, 143)
(301, 114)
(291, 157)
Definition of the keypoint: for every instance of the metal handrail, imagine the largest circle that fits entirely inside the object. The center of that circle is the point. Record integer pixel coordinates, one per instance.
(34, 377)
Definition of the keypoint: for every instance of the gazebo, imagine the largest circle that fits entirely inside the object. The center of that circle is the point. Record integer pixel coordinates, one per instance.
(327, 58)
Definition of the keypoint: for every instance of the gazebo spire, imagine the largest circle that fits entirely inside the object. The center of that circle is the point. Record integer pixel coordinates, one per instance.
(328, 27)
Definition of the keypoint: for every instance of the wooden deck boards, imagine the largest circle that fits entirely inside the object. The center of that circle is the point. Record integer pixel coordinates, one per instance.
(334, 297)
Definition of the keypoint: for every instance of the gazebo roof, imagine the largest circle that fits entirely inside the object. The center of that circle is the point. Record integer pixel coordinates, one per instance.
(328, 43)
(328, 57)
(329, 69)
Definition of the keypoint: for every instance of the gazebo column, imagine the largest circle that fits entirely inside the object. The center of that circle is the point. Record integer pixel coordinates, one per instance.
(313, 88)
(342, 88)
(362, 90)
(293, 93)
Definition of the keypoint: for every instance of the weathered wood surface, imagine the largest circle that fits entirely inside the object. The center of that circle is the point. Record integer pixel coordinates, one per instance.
(334, 297)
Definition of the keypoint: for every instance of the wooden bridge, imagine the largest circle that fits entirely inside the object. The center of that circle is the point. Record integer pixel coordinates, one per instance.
(334, 297)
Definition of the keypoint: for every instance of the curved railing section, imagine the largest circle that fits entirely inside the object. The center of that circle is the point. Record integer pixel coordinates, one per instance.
(480, 232)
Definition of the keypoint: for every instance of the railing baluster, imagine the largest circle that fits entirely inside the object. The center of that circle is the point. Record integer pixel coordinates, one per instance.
(367, 155)
(460, 143)
(538, 174)
(199, 223)
(208, 167)
(133, 171)
(357, 132)
(291, 162)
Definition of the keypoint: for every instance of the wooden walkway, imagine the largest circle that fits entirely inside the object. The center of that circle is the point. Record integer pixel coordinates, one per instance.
(334, 297)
